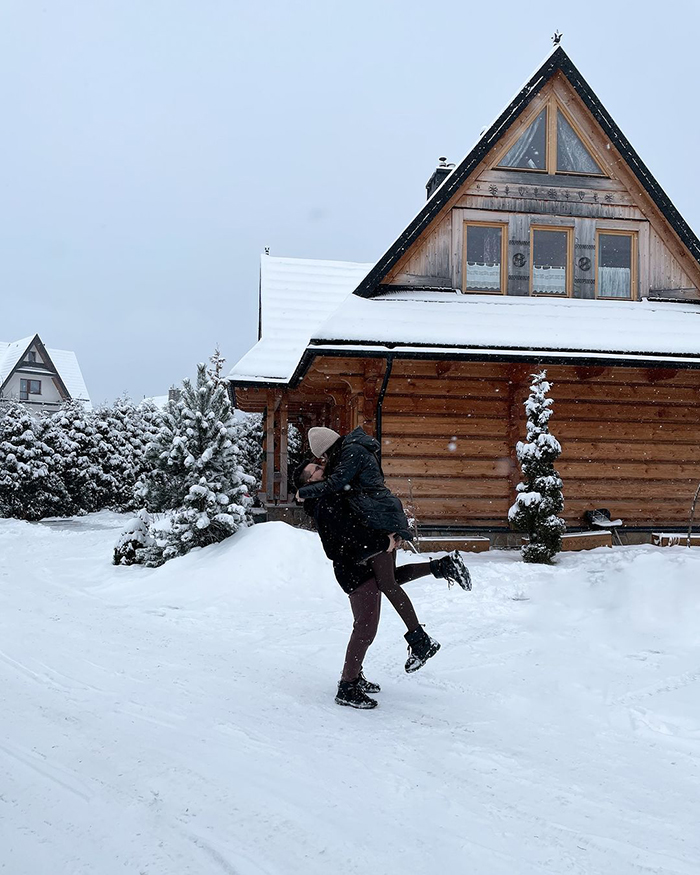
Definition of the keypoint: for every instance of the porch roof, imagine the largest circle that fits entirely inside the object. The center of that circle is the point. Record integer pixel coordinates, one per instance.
(296, 296)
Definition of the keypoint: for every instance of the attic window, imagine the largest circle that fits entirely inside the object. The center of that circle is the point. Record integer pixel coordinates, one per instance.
(31, 356)
(551, 144)
(530, 150)
(572, 155)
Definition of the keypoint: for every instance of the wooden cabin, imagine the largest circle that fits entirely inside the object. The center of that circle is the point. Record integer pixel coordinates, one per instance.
(550, 245)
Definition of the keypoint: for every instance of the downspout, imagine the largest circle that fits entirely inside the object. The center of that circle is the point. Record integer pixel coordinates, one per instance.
(380, 401)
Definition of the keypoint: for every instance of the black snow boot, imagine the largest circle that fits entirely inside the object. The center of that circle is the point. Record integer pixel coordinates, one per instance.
(351, 693)
(420, 648)
(452, 569)
(367, 686)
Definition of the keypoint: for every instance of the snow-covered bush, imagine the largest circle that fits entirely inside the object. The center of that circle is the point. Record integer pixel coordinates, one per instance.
(136, 536)
(163, 483)
(31, 486)
(198, 461)
(250, 444)
(539, 499)
(89, 463)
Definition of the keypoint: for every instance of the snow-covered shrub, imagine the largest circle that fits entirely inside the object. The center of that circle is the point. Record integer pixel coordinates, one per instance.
(31, 486)
(163, 483)
(136, 536)
(250, 444)
(539, 499)
(202, 454)
(77, 436)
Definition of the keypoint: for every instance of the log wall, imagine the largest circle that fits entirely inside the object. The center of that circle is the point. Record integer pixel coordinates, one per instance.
(630, 437)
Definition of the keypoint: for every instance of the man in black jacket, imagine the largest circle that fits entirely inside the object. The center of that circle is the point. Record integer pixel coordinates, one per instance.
(357, 552)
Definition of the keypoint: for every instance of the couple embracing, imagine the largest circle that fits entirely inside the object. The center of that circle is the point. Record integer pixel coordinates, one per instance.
(361, 524)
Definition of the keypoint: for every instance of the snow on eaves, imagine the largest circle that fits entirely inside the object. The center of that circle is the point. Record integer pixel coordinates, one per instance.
(297, 295)
(510, 323)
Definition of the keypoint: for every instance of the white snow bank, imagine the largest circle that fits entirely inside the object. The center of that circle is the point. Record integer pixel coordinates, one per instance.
(181, 720)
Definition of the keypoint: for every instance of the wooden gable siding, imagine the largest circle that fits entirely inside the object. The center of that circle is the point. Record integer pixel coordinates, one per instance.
(629, 436)
(520, 198)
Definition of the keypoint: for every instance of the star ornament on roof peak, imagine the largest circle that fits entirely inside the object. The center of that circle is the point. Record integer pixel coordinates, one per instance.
(556, 38)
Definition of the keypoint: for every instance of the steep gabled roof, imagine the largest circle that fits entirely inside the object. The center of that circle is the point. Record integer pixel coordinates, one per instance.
(557, 61)
(63, 362)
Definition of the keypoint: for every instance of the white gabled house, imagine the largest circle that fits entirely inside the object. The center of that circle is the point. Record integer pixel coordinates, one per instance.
(39, 377)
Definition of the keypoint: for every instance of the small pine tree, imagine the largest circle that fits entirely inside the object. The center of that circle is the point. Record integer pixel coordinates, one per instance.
(136, 536)
(295, 454)
(30, 483)
(216, 501)
(539, 500)
(77, 436)
(163, 483)
(250, 442)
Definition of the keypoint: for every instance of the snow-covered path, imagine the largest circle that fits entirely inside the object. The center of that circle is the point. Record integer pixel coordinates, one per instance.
(180, 721)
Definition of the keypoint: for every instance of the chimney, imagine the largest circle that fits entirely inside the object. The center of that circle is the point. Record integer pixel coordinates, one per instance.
(441, 172)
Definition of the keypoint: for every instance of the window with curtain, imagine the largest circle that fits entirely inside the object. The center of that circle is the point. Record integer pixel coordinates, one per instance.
(572, 155)
(550, 255)
(530, 150)
(614, 265)
(483, 261)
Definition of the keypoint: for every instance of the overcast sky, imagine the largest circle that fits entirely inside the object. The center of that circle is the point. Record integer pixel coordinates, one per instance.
(151, 149)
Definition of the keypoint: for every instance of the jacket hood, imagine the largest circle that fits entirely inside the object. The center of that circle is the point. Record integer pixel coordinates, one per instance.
(360, 436)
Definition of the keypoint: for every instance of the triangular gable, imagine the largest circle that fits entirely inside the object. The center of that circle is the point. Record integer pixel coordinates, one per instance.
(497, 133)
(16, 354)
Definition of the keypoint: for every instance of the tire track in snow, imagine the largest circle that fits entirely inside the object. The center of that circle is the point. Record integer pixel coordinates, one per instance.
(39, 764)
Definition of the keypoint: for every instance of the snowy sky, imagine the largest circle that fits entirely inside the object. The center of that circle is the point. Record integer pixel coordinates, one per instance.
(152, 148)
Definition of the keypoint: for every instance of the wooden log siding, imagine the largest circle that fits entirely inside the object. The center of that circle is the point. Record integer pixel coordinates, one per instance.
(630, 436)
(630, 440)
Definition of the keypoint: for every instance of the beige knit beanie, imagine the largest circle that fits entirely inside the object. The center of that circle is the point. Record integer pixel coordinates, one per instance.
(321, 439)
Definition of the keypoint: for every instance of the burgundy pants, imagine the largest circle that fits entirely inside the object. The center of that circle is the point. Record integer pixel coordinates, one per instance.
(365, 602)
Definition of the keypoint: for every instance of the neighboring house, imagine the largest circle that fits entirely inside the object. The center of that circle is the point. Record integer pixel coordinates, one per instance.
(39, 377)
(550, 245)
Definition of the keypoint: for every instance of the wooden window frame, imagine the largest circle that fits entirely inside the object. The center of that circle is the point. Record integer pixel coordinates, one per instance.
(551, 107)
(25, 392)
(634, 255)
(563, 229)
(504, 257)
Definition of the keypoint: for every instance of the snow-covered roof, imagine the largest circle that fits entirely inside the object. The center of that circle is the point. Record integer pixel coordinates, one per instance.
(305, 299)
(494, 322)
(10, 354)
(69, 370)
(296, 296)
(64, 360)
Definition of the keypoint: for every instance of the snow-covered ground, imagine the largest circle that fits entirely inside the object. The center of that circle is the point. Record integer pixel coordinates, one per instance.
(180, 721)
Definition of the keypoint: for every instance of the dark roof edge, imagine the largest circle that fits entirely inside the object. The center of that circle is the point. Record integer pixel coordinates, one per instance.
(558, 60)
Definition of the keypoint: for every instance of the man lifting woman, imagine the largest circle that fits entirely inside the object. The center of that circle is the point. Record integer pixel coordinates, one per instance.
(361, 523)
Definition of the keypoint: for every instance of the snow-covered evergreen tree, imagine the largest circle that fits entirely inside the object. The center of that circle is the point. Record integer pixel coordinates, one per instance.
(30, 473)
(163, 483)
(136, 536)
(126, 431)
(73, 434)
(217, 499)
(250, 441)
(539, 499)
(295, 453)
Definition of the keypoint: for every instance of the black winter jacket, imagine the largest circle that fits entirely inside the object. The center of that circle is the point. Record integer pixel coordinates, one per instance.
(346, 541)
(354, 468)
